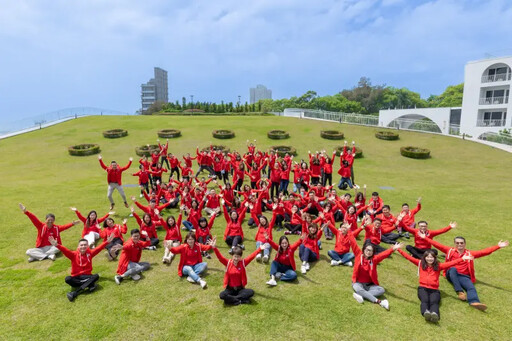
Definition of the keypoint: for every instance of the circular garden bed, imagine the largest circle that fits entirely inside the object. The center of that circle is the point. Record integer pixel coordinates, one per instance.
(332, 134)
(84, 149)
(216, 147)
(278, 135)
(169, 133)
(415, 152)
(223, 134)
(386, 135)
(147, 150)
(359, 151)
(283, 150)
(115, 133)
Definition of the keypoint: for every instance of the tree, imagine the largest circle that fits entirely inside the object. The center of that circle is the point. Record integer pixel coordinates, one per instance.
(402, 98)
(451, 97)
(370, 97)
(155, 107)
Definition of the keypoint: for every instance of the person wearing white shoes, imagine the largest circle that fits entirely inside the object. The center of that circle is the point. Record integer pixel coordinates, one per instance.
(129, 261)
(44, 249)
(365, 281)
(191, 260)
(264, 228)
(114, 175)
(283, 265)
(309, 250)
(172, 236)
(341, 255)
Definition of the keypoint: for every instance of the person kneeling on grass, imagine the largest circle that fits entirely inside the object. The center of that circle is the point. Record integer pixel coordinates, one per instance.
(81, 265)
(191, 260)
(129, 261)
(428, 271)
(235, 277)
(283, 266)
(365, 281)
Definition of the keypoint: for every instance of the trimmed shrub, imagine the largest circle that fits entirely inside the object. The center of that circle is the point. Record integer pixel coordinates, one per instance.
(332, 134)
(282, 150)
(415, 152)
(84, 149)
(115, 133)
(278, 135)
(169, 133)
(146, 151)
(359, 151)
(386, 135)
(216, 147)
(223, 134)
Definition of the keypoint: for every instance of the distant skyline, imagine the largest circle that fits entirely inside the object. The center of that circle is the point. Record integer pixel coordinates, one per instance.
(60, 54)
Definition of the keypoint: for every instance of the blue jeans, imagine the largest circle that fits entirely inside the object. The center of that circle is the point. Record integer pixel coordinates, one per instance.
(188, 225)
(194, 270)
(461, 283)
(306, 254)
(283, 186)
(266, 250)
(295, 187)
(347, 181)
(343, 257)
(287, 272)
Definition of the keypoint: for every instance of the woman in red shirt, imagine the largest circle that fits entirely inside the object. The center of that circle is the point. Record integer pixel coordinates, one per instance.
(203, 232)
(283, 266)
(264, 230)
(234, 234)
(172, 236)
(116, 245)
(235, 277)
(308, 250)
(191, 261)
(428, 291)
(147, 229)
(91, 231)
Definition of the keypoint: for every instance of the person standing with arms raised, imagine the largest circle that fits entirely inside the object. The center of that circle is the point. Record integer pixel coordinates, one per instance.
(114, 173)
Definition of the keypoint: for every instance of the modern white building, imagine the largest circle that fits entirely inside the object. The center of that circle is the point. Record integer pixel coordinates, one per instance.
(259, 92)
(484, 105)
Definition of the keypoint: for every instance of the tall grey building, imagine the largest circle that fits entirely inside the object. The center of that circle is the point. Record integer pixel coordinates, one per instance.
(155, 89)
(260, 92)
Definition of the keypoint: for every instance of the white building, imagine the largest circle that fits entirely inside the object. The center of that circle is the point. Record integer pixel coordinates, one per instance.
(259, 92)
(484, 105)
(155, 89)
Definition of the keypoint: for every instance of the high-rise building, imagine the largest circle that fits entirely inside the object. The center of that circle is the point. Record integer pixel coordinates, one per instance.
(155, 89)
(259, 92)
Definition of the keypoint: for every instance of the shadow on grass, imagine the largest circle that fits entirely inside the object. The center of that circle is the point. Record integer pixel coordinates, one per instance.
(390, 293)
(492, 286)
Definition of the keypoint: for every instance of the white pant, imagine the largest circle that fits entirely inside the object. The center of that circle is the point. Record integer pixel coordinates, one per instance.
(111, 187)
(91, 237)
(41, 253)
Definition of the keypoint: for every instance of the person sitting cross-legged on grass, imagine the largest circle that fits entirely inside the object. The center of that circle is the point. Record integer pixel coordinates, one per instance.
(191, 260)
(81, 266)
(129, 261)
(420, 244)
(462, 275)
(365, 281)
(428, 271)
(235, 277)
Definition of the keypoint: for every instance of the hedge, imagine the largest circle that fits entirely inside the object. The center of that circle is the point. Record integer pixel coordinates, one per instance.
(223, 134)
(216, 147)
(84, 149)
(415, 152)
(282, 150)
(278, 135)
(115, 133)
(359, 151)
(169, 133)
(332, 134)
(146, 151)
(386, 135)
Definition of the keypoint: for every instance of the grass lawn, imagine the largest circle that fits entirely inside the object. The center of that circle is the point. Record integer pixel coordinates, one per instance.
(463, 181)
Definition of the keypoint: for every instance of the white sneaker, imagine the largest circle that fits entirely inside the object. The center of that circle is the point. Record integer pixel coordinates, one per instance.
(152, 248)
(272, 282)
(334, 262)
(303, 269)
(203, 284)
(164, 259)
(384, 304)
(348, 264)
(51, 257)
(265, 259)
(140, 195)
(307, 266)
(136, 277)
(258, 257)
(118, 279)
(170, 258)
(190, 279)
(31, 259)
(358, 298)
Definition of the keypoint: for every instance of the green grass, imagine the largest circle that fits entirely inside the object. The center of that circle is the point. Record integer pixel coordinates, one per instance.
(463, 181)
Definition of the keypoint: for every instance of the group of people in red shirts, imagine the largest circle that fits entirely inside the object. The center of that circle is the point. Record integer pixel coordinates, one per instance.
(311, 210)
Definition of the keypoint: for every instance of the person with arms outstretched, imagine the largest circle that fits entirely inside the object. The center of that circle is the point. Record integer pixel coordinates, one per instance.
(114, 174)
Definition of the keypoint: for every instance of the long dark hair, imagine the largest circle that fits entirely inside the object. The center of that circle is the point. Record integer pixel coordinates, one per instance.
(423, 261)
(88, 220)
(280, 250)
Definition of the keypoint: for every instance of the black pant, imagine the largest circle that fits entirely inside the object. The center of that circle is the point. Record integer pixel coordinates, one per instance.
(164, 159)
(253, 184)
(274, 189)
(112, 243)
(418, 253)
(144, 186)
(238, 185)
(81, 282)
(389, 238)
(312, 210)
(233, 240)
(154, 241)
(203, 240)
(315, 180)
(205, 167)
(293, 227)
(377, 247)
(352, 174)
(252, 222)
(175, 170)
(236, 295)
(279, 220)
(338, 216)
(327, 177)
(430, 299)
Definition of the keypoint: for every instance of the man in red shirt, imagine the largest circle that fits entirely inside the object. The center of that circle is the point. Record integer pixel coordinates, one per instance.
(81, 266)
(44, 249)
(114, 173)
(129, 262)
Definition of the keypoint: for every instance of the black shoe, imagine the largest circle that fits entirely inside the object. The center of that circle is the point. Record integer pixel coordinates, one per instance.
(230, 251)
(245, 301)
(71, 296)
(242, 246)
(93, 287)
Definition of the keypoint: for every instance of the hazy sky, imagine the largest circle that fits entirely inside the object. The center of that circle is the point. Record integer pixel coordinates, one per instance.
(60, 53)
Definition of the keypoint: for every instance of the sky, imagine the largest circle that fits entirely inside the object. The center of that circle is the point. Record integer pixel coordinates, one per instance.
(59, 54)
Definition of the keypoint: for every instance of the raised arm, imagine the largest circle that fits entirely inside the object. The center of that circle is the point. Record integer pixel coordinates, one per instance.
(253, 255)
(220, 257)
(409, 258)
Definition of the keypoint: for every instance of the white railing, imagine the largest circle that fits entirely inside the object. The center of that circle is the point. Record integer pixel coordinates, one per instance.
(490, 123)
(500, 77)
(502, 138)
(494, 100)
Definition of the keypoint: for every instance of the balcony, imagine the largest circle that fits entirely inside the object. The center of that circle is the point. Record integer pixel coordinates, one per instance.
(493, 100)
(490, 123)
(500, 77)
